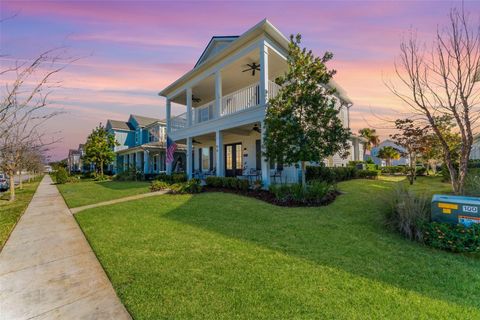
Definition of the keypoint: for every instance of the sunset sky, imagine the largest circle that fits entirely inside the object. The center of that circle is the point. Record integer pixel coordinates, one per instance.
(130, 50)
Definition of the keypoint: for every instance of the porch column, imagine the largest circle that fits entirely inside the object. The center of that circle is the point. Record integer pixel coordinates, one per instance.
(146, 164)
(263, 74)
(265, 162)
(168, 166)
(219, 159)
(189, 158)
(189, 107)
(218, 94)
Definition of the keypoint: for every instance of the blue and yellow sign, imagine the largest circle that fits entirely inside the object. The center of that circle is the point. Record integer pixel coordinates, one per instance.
(456, 209)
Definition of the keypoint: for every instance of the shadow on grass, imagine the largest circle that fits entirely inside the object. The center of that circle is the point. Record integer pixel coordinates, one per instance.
(348, 235)
(122, 185)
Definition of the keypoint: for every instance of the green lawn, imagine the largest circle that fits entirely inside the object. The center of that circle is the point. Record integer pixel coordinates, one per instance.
(89, 192)
(223, 256)
(11, 212)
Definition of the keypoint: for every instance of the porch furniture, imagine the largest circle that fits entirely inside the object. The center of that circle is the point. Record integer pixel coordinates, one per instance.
(252, 174)
(212, 172)
(277, 174)
(198, 174)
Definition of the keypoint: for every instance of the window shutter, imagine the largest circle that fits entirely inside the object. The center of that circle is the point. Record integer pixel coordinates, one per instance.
(211, 158)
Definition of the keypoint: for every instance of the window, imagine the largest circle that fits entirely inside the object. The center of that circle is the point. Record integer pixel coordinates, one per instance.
(153, 134)
(205, 159)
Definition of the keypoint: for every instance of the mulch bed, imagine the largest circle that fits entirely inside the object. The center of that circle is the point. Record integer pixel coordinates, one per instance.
(270, 198)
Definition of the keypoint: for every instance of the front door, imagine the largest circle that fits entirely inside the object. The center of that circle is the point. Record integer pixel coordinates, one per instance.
(233, 160)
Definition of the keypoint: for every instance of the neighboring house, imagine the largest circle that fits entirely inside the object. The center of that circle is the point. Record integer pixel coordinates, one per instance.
(225, 96)
(141, 143)
(475, 153)
(75, 163)
(403, 161)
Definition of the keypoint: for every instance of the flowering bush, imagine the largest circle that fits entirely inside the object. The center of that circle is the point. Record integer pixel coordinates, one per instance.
(191, 186)
(455, 238)
(158, 185)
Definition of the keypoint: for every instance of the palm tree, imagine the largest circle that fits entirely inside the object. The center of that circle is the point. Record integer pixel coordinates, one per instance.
(388, 154)
(372, 139)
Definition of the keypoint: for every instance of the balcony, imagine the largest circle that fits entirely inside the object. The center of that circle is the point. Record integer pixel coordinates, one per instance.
(243, 99)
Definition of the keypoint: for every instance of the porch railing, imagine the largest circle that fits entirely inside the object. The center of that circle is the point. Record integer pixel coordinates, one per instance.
(179, 122)
(239, 100)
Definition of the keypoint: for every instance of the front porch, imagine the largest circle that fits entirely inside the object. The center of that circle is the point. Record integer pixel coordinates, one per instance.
(149, 158)
(234, 152)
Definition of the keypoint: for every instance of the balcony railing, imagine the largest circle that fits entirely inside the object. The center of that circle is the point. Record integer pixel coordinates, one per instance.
(179, 122)
(234, 102)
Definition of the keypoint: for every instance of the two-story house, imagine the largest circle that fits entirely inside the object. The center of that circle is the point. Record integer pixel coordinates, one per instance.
(225, 97)
(475, 153)
(141, 143)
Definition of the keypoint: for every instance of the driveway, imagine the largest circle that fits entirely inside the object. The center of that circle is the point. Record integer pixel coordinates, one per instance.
(48, 270)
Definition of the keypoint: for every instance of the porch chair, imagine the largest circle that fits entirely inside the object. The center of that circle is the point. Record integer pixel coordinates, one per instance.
(277, 173)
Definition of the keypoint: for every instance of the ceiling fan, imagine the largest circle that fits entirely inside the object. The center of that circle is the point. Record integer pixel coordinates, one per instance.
(252, 67)
(256, 128)
(196, 99)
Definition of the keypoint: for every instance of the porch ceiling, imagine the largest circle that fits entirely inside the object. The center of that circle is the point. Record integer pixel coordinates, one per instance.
(244, 130)
(233, 78)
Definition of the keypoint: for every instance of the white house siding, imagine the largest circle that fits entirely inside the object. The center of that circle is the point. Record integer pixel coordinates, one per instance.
(475, 153)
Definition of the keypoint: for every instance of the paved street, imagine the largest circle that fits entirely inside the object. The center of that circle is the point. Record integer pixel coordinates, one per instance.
(48, 270)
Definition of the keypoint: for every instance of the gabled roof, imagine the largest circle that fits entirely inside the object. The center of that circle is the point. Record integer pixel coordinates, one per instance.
(216, 44)
(120, 125)
(144, 121)
(262, 27)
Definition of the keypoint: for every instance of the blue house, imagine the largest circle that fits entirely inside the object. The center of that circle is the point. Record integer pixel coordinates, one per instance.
(141, 143)
(402, 161)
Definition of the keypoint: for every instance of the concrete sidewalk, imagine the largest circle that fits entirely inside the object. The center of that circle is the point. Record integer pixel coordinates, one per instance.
(48, 270)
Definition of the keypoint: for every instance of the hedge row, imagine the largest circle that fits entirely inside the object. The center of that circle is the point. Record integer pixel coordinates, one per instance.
(227, 183)
(337, 174)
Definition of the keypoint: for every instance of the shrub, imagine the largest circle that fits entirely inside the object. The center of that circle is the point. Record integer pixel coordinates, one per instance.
(421, 171)
(129, 174)
(158, 185)
(179, 177)
(390, 170)
(367, 174)
(228, 183)
(474, 163)
(330, 174)
(315, 191)
(99, 177)
(455, 238)
(61, 175)
(212, 181)
(408, 212)
(73, 179)
(472, 183)
(257, 185)
(190, 186)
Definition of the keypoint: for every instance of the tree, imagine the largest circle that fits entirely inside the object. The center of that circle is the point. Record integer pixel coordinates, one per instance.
(444, 81)
(388, 154)
(301, 122)
(372, 139)
(99, 148)
(433, 152)
(412, 139)
(25, 94)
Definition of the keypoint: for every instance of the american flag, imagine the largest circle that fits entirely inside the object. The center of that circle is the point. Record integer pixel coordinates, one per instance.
(171, 147)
